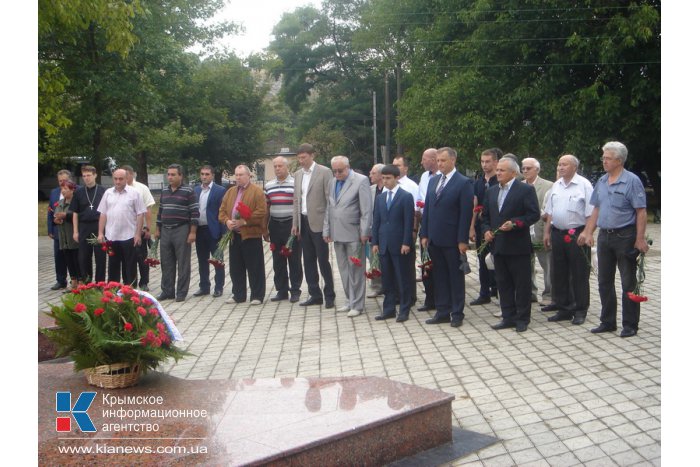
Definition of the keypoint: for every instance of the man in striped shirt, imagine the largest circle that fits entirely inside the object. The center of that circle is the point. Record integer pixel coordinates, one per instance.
(280, 200)
(176, 226)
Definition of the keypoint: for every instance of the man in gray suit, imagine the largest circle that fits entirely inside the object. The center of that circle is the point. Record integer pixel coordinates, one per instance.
(531, 176)
(310, 202)
(347, 224)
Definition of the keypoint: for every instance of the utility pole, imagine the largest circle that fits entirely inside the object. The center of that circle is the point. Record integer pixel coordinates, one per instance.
(374, 124)
(387, 119)
(399, 148)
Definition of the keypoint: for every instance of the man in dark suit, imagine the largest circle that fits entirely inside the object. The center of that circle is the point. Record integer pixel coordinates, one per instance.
(445, 232)
(510, 208)
(209, 230)
(392, 235)
(52, 227)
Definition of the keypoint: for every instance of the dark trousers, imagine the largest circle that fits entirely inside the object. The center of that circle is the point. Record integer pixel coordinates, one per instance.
(175, 255)
(428, 285)
(487, 278)
(59, 262)
(396, 284)
(86, 252)
(246, 258)
(514, 279)
(206, 246)
(315, 251)
(122, 264)
(143, 268)
(288, 272)
(613, 250)
(570, 273)
(410, 271)
(70, 258)
(449, 282)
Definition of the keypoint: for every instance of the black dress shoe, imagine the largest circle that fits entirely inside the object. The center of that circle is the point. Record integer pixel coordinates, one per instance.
(628, 332)
(480, 301)
(426, 308)
(58, 286)
(382, 317)
(603, 328)
(579, 318)
(162, 297)
(402, 318)
(560, 317)
(521, 327)
(312, 301)
(201, 292)
(180, 299)
(295, 297)
(436, 320)
(217, 293)
(279, 297)
(502, 325)
(550, 307)
(456, 323)
(330, 304)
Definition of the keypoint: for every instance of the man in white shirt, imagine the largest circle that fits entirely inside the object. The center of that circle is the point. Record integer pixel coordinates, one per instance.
(567, 212)
(121, 221)
(142, 250)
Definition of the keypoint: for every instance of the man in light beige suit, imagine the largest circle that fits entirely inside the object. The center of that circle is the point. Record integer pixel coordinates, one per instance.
(531, 170)
(347, 225)
(310, 202)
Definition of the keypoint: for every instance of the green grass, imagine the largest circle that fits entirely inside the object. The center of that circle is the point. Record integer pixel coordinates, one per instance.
(44, 205)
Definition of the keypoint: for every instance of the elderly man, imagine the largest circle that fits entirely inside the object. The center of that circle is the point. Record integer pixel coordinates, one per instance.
(85, 218)
(121, 221)
(245, 250)
(376, 187)
(531, 176)
(510, 209)
(569, 208)
(620, 213)
(176, 226)
(52, 225)
(209, 231)
(279, 193)
(487, 278)
(445, 233)
(142, 249)
(347, 225)
(429, 163)
(311, 193)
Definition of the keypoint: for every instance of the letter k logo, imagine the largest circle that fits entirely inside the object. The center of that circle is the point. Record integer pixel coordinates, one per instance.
(79, 411)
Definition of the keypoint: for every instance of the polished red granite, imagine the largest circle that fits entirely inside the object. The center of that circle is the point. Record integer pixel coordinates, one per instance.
(286, 421)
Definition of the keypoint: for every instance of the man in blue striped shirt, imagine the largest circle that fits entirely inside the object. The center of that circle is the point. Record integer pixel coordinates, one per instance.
(279, 193)
(176, 226)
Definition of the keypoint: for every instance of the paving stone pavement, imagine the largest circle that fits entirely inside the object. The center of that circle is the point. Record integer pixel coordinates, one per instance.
(555, 395)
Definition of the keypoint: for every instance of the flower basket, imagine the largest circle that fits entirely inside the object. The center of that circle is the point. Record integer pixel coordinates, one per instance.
(116, 375)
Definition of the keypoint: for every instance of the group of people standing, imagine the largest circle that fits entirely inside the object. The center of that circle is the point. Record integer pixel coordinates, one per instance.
(505, 212)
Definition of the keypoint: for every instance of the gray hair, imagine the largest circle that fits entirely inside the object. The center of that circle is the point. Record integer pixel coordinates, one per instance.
(247, 169)
(512, 164)
(377, 167)
(618, 148)
(534, 161)
(283, 159)
(65, 172)
(450, 152)
(573, 158)
(342, 159)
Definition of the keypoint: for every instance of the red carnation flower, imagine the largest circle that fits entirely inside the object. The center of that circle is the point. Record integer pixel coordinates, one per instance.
(108, 294)
(369, 275)
(128, 327)
(356, 261)
(637, 298)
(99, 311)
(161, 327)
(420, 204)
(272, 246)
(136, 300)
(154, 311)
(243, 211)
(118, 300)
(80, 307)
(105, 299)
(141, 310)
(146, 301)
(572, 231)
(519, 223)
(567, 238)
(478, 209)
(113, 284)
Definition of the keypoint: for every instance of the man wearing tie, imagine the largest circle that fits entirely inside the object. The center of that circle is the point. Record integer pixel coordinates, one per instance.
(392, 234)
(311, 193)
(510, 208)
(445, 232)
(347, 225)
(209, 230)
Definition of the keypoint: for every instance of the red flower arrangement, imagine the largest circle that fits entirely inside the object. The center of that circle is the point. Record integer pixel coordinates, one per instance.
(288, 247)
(244, 212)
(426, 263)
(636, 295)
(478, 209)
(420, 204)
(374, 267)
(355, 259)
(152, 258)
(106, 245)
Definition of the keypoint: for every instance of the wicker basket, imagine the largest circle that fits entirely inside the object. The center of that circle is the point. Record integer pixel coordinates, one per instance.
(116, 375)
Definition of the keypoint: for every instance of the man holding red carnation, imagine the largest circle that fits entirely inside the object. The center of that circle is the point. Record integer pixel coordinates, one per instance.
(510, 208)
(243, 211)
(620, 212)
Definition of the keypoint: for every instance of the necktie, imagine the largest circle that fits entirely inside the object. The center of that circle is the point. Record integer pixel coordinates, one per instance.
(338, 186)
(388, 201)
(442, 185)
(501, 197)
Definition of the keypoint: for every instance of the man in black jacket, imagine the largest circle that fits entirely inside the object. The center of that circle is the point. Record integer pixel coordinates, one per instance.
(510, 209)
